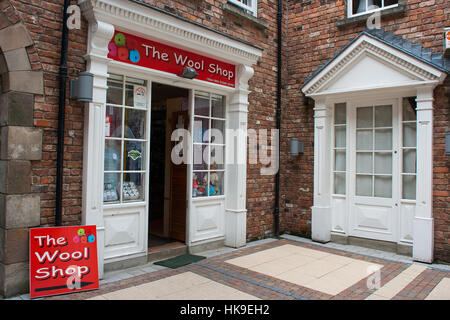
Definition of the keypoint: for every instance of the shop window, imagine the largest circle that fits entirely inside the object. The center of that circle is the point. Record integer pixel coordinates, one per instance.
(209, 145)
(125, 139)
(409, 149)
(250, 6)
(340, 148)
(358, 7)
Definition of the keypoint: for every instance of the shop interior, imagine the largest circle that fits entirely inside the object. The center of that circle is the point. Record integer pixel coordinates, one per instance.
(168, 181)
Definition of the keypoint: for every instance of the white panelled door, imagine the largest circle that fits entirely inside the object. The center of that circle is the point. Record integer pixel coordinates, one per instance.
(373, 169)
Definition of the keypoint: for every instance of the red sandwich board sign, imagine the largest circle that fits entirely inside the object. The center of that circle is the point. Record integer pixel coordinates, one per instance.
(128, 48)
(63, 260)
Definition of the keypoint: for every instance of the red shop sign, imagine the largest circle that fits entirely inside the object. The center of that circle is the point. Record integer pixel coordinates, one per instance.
(131, 49)
(63, 260)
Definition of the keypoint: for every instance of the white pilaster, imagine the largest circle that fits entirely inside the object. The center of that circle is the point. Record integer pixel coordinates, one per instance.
(423, 226)
(100, 34)
(321, 210)
(236, 158)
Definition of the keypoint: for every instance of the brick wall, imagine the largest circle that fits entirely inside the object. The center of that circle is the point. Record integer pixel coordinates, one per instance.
(43, 20)
(313, 38)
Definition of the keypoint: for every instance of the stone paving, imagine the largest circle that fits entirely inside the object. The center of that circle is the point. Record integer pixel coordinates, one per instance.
(290, 269)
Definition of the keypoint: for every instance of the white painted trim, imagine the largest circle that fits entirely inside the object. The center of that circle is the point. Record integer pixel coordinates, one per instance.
(253, 9)
(148, 23)
(103, 16)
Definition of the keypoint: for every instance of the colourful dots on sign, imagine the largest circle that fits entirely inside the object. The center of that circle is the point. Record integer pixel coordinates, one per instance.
(132, 44)
(119, 39)
(80, 232)
(112, 49)
(76, 239)
(134, 56)
(91, 238)
(123, 53)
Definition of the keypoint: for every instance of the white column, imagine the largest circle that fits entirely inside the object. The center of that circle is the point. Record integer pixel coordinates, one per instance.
(321, 210)
(236, 158)
(423, 235)
(97, 63)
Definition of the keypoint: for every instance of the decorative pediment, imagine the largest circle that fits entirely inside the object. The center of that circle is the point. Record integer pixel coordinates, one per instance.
(368, 64)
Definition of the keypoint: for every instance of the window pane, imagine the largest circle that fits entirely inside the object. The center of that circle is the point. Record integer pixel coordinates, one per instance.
(216, 183)
(135, 124)
(135, 93)
(113, 122)
(218, 106)
(409, 187)
(133, 186)
(201, 104)
(112, 155)
(364, 140)
(364, 117)
(339, 183)
(217, 131)
(383, 186)
(383, 139)
(409, 134)
(200, 157)
(340, 135)
(409, 109)
(409, 161)
(199, 183)
(114, 93)
(364, 185)
(383, 163)
(383, 116)
(111, 187)
(217, 159)
(339, 160)
(364, 162)
(134, 152)
(390, 2)
(376, 4)
(340, 113)
(201, 127)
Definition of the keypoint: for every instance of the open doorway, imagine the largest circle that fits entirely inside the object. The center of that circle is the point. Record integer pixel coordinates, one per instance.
(167, 198)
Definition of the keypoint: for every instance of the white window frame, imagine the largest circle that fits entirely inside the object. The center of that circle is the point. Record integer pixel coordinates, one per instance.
(252, 8)
(350, 8)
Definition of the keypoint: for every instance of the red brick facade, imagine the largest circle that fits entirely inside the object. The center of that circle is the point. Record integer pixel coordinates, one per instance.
(310, 38)
(313, 37)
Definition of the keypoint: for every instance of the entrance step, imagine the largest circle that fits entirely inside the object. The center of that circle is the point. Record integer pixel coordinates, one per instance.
(166, 251)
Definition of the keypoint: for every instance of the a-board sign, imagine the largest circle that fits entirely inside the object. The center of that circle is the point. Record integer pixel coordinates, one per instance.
(63, 260)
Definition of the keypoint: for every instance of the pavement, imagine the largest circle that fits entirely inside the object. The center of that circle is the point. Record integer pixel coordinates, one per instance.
(290, 268)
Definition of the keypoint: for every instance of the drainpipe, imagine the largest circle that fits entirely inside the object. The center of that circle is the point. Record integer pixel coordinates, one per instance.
(61, 116)
(278, 115)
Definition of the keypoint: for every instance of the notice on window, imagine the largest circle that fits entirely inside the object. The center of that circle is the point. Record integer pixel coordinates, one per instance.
(140, 97)
(63, 260)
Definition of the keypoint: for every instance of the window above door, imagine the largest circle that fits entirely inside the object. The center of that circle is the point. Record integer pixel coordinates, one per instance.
(250, 6)
(360, 7)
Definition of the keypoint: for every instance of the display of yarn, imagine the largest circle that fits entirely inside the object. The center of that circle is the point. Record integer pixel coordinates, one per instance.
(109, 192)
(130, 191)
(124, 49)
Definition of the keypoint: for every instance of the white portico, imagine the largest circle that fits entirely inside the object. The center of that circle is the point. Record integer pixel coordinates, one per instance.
(373, 146)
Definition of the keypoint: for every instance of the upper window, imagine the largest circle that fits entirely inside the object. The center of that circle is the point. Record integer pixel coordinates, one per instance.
(248, 5)
(358, 7)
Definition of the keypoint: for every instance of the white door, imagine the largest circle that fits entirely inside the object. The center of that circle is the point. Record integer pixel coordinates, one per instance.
(373, 164)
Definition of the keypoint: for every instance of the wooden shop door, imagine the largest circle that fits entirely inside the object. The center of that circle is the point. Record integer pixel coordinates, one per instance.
(178, 188)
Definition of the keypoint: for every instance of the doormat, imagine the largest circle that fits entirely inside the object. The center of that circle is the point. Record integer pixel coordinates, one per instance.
(179, 261)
